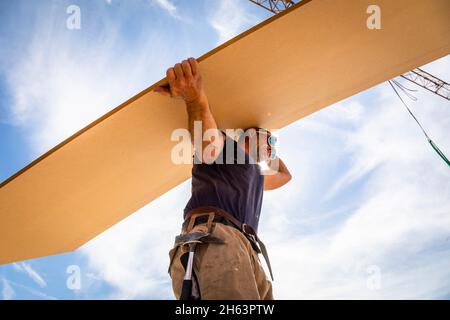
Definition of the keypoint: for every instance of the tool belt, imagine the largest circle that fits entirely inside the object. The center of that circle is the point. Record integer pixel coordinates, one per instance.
(209, 214)
(226, 218)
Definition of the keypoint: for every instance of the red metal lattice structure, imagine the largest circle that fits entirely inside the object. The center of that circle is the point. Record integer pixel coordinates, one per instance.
(274, 6)
(429, 82)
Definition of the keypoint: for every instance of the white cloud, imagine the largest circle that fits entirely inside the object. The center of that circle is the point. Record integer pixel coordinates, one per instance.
(8, 292)
(168, 6)
(171, 9)
(229, 18)
(28, 270)
(34, 292)
(57, 88)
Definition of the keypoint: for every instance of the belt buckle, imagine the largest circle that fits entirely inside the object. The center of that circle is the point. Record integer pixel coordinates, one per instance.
(192, 219)
(244, 229)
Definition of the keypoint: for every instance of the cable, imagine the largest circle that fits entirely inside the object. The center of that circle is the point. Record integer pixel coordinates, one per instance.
(405, 90)
(435, 147)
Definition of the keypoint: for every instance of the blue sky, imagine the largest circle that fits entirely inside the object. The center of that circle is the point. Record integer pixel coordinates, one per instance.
(365, 216)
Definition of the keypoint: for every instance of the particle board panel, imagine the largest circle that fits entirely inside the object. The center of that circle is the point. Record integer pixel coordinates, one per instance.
(283, 69)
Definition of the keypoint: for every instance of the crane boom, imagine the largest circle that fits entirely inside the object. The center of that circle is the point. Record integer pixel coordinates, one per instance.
(429, 82)
(274, 6)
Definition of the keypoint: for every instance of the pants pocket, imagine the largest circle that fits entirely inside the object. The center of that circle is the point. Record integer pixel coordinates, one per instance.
(172, 254)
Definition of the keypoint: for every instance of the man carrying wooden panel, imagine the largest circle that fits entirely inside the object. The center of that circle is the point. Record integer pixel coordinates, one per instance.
(216, 254)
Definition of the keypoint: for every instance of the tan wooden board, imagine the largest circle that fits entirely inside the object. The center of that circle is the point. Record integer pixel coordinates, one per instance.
(283, 69)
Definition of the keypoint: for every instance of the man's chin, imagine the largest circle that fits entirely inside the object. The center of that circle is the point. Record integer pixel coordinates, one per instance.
(262, 158)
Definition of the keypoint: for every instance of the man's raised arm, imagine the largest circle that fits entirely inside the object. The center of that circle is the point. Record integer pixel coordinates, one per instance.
(185, 82)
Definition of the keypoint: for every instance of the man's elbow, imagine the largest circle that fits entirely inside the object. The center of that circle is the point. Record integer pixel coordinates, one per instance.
(287, 177)
(277, 181)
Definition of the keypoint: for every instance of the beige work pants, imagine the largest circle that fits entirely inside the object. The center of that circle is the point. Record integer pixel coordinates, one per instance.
(229, 271)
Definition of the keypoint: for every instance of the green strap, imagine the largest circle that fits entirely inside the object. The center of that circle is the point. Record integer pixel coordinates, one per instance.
(439, 152)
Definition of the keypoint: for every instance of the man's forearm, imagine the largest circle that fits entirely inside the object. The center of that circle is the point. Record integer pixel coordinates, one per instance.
(199, 110)
(278, 179)
(185, 82)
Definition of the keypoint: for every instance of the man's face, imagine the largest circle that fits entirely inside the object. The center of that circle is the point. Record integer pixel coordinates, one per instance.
(257, 144)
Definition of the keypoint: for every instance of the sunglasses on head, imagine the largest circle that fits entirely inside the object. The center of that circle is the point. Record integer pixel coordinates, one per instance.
(271, 140)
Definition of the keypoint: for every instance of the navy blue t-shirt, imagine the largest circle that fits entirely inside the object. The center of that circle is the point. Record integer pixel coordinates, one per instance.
(236, 188)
